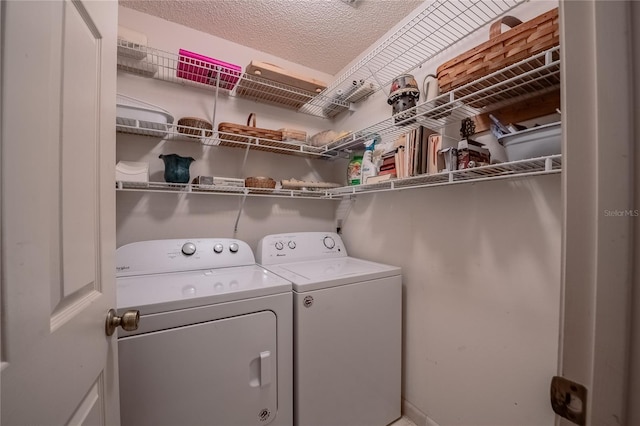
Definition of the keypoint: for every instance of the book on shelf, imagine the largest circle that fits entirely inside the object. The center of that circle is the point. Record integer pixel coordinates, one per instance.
(424, 150)
(389, 158)
(435, 144)
(413, 152)
(381, 177)
(400, 167)
(388, 164)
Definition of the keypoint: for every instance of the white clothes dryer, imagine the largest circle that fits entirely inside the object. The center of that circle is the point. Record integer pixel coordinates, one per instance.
(214, 342)
(347, 330)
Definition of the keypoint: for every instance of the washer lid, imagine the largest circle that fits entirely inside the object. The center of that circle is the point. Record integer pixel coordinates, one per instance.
(325, 273)
(164, 292)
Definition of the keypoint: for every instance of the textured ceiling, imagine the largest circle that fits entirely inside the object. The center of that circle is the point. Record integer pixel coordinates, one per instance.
(324, 35)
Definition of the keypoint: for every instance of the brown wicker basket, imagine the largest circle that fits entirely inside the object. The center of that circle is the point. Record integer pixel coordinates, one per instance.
(503, 49)
(260, 182)
(193, 126)
(247, 134)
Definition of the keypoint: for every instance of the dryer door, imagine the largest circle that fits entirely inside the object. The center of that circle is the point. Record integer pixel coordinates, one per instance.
(219, 372)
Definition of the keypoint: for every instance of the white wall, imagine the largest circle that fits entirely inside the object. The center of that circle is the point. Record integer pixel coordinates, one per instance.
(481, 274)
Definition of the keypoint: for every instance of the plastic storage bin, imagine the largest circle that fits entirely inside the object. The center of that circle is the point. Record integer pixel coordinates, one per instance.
(141, 117)
(131, 171)
(535, 142)
(203, 69)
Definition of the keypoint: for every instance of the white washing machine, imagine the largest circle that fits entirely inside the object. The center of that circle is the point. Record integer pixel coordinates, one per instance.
(214, 342)
(347, 330)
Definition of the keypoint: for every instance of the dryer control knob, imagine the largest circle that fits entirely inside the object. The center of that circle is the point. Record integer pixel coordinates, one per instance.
(329, 242)
(292, 244)
(188, 249)
(279, 245)
(218, 248)
(233, 248)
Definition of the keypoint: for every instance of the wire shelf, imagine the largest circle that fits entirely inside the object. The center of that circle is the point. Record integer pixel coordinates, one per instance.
(526, 79)
(442, 24)
(515, 169)
(189, 188)
(216, 138)
(154, 63)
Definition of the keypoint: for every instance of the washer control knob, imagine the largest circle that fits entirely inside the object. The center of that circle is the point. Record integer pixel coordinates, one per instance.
(279, 245)
(329, 242)
(218, 248)
(188, 249)
(233, 247)
(292, 244)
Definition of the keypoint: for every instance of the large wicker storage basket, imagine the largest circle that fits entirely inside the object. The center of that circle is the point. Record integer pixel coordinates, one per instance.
(232, 133)
(503, 49)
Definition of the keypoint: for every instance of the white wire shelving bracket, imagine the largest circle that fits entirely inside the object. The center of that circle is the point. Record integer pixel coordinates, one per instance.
(216, 138)
(526, 79)
(511, 170)
(154, 63)
(438, 27)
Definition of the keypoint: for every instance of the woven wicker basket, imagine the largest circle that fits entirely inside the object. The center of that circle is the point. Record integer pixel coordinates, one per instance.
(193, 126)
(248, 134)
(260, 182)
(503, 49)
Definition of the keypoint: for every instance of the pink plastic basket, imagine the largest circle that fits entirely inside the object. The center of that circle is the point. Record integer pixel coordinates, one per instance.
(202, 69)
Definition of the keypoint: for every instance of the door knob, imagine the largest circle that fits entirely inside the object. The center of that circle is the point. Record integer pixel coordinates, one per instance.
(128, 321)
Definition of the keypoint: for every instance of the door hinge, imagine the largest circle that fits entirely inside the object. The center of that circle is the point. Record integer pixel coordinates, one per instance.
(569, 400)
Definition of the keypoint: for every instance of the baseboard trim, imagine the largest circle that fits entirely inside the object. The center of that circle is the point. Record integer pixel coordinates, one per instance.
(415, 415)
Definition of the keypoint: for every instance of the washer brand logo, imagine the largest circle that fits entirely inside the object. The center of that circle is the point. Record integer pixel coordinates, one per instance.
(280, 255)
(264, 415)
(122, 268)
(307, 301)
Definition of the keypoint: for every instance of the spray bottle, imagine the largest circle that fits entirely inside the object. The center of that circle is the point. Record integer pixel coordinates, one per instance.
(368, 166)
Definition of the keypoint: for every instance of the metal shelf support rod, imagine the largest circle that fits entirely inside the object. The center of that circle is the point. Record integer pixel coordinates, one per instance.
(235, 226)
(215, 99)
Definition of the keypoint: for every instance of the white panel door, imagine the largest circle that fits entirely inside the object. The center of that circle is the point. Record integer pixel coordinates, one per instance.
(600, 212)
(58, 212)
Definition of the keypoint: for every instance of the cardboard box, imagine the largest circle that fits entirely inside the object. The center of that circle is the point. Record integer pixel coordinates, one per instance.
(472, 154)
